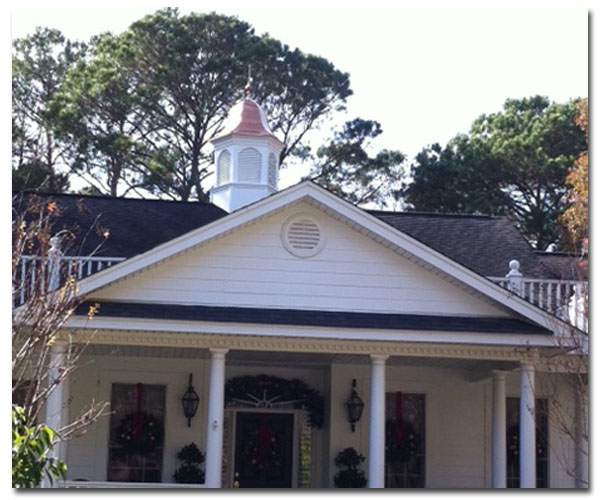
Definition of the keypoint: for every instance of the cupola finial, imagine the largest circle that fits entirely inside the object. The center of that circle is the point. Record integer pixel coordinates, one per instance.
(248, 87)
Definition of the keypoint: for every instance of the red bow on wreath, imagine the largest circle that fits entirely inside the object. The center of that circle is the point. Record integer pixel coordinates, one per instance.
(265, 438)
(138, 419)
(399, 426)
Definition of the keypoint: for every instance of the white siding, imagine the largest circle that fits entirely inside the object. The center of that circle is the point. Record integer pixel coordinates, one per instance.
(87, 456)
(252, 268)
(454, 421)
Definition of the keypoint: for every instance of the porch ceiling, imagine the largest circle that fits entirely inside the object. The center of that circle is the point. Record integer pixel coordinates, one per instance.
(291, 359)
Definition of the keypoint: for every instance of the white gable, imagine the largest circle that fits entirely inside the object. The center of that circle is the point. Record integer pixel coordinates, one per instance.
(252, 267)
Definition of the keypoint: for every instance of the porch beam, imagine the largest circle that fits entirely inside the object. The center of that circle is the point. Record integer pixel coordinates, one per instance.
(214, 429)
(527, 427)
(359, 347)
(377, 422)
(499, 430)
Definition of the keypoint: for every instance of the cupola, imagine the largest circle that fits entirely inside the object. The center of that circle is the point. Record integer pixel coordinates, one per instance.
(246, 160)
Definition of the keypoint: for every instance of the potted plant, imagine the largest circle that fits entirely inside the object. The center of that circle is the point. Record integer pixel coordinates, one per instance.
(351, 476)
(189, 471)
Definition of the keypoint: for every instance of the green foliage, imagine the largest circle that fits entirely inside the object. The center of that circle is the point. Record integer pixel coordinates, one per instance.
(351, 476)
(302, 395)
(511, 163)
(576, 217)
(96, 111)
(39, 65)
(345, 167)
(189, 472)
(32, 447)
(143, 107)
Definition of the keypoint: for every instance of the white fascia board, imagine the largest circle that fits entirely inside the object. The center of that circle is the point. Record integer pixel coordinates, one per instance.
(309, 190)
(98, 323)
(231, 140)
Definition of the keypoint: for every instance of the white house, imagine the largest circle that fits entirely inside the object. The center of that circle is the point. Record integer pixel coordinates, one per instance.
(276, 302)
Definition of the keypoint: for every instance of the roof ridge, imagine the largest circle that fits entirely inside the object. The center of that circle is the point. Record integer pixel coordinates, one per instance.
(437, 214)
(556, 254)
(113, 198)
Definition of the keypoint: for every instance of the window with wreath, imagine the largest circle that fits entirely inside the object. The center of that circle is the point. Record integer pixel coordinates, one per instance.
(404, 440)
(136, 433)
(512, 443)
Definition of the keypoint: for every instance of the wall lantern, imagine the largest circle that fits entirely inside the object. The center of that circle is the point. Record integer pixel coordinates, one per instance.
(190, 402)
(354, 405)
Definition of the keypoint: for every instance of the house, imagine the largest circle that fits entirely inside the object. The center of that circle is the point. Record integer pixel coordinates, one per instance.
(284, 311)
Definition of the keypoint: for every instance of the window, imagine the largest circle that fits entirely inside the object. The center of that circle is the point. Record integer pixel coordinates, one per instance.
(136, 433)
(512, 443)
(404, 440)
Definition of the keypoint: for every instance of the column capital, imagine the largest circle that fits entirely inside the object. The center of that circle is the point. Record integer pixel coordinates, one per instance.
(499, 374)
(59, 345)
(379, 358)
(527, 366)
(218, 352)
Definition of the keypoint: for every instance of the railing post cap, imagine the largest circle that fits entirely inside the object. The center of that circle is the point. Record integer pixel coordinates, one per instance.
(514, 266)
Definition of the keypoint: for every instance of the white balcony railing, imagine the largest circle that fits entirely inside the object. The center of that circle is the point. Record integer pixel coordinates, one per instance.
(36, 275)
(122, 485)
(566, 299)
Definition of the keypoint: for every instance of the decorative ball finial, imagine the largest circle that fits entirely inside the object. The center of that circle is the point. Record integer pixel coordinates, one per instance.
(514, 266)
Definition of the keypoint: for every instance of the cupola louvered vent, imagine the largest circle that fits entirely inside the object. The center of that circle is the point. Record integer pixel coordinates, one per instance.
(272, 170)
(249, 165)
(224, 168)
(303, 236)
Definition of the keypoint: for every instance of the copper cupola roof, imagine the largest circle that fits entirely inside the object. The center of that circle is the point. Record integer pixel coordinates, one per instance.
(253, 122)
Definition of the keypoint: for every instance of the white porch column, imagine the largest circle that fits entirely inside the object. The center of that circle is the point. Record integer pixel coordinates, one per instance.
(527, 427)
(56, 416)
(214, 430)
(580, 418)
(377, 422)
(499, 431)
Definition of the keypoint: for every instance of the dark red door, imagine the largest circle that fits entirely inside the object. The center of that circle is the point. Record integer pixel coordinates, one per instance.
(263, 449)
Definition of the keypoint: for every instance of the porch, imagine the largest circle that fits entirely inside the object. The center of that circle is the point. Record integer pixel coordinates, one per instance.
(462, 427)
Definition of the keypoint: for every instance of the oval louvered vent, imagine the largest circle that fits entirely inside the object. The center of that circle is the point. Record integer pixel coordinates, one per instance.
(303, 236)
(249, 165)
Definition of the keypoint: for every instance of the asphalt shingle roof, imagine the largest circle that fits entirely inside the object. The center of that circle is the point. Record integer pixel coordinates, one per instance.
(333, 319)
(484, 244)
(135, 225)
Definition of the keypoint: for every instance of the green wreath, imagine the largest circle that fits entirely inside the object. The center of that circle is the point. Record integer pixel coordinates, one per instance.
(513, 445)
(402, 441)
(139, 432)
(301, 395)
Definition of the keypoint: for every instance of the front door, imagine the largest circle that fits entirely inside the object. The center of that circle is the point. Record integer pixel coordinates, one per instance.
(263, 449)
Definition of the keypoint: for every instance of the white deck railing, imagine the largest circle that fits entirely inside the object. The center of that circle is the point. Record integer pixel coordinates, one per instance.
(34, 273)
(566, 299)
(122, 485)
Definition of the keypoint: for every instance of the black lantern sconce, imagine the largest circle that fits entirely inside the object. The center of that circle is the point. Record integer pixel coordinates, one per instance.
(355, 406)
(190, 402)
